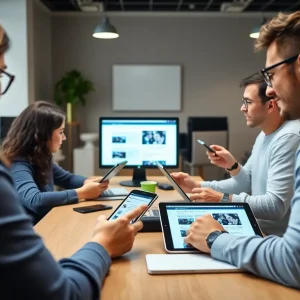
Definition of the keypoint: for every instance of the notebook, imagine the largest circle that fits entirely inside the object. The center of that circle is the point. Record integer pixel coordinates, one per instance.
(187, 263)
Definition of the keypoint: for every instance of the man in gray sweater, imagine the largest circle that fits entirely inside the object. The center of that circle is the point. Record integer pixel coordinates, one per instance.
(266, 181)
(274, 258)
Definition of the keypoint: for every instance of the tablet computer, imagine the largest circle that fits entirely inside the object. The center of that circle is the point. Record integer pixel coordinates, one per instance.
(237, 218)
(114, 171)
(173, 182)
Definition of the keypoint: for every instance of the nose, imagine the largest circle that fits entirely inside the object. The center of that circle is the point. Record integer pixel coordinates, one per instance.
(270, 92)
(64, 137)
(243, 108)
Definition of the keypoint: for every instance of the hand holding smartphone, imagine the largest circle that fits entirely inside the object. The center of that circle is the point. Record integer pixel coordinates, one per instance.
(207, 147)
(132, 201)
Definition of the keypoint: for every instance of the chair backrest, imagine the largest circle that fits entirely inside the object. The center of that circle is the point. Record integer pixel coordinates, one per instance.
(199, 156)
(205, 125)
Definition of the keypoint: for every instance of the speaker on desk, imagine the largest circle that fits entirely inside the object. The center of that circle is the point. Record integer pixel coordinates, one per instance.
(5, 123)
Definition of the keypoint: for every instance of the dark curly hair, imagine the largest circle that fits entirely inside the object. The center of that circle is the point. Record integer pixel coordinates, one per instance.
(29, 136)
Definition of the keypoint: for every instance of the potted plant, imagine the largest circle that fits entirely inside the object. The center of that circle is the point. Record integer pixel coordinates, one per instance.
(71, 90)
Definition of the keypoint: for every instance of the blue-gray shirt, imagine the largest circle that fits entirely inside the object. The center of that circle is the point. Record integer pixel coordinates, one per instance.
(267, 179)
(28, 270)
(272, 257)
(39, 200)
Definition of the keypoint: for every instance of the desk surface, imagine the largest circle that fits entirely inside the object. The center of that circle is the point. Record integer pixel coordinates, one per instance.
(65, 231)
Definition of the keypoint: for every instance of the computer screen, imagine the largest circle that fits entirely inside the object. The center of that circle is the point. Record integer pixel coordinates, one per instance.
(140, 141)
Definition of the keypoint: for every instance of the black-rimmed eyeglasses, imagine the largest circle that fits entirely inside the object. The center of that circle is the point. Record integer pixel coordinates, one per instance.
(265, 72)
(6, 80)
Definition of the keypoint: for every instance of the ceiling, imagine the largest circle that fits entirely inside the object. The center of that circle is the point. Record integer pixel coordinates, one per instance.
(175, 6)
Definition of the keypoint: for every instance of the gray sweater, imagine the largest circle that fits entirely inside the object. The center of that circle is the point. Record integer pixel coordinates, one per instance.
(272, 257)
(28, 270)
(267, 179)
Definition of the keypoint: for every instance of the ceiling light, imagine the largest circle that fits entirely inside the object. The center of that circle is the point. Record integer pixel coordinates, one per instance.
(105, 30)
(255, 31)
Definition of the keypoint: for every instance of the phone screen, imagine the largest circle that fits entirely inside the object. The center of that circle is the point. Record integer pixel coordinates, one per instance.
(133, 200)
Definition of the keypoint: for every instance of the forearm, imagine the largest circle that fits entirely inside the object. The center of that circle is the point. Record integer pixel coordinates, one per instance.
(266, 207)
(39, 202)
(234, 185)
(272, 257)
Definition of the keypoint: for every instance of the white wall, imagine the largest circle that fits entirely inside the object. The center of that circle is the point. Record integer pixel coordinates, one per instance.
(215, 52)
(13, 17)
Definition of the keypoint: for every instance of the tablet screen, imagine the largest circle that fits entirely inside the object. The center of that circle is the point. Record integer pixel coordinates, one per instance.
(237, 219)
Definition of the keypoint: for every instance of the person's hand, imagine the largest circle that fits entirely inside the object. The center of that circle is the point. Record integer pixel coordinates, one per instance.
(224, 159)
(206, 195)
(199, 231)
(93, 179)
(185, 181)
(91, 190)
(117, 236)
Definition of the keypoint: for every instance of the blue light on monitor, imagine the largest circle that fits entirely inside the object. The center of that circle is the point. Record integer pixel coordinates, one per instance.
(141, 141)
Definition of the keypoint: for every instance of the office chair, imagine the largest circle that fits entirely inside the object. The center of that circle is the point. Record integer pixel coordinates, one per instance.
(212, 130)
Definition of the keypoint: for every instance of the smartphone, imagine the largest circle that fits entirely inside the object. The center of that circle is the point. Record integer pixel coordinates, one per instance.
(207, 147)
(92, 208)
(132, 201)
(114, 171)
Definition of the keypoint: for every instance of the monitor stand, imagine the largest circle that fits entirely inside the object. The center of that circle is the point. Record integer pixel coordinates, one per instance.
(139, 174)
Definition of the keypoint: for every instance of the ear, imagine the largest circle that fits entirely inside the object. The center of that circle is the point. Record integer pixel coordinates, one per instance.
(272, 104)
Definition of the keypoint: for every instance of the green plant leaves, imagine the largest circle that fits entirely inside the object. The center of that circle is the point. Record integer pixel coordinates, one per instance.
(72, 88)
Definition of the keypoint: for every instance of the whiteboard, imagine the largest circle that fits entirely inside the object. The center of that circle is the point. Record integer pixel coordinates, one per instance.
(146, 87)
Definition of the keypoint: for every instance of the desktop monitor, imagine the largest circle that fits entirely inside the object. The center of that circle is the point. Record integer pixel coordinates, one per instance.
(140, 141)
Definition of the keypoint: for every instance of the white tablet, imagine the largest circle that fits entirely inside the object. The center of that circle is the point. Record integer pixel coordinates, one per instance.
(237, 218)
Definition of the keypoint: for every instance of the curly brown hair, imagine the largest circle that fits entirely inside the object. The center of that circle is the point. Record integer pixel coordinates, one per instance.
(29, 136)
(284, 29)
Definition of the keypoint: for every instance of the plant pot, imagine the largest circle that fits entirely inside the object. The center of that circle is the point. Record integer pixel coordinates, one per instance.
(71, 112)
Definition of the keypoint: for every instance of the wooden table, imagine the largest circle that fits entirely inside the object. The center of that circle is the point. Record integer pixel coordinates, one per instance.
(65, 231)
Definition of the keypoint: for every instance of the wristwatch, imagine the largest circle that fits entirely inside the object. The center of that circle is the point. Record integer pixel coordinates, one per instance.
(212, 236)
(235, 166)
(225, 198)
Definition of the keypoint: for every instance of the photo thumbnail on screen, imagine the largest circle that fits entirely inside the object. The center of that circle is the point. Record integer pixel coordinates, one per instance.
(154, 138)
(227, 219)
(119, 139)
(153, 162)
(118, 154)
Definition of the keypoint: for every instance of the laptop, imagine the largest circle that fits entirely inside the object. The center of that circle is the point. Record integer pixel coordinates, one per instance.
(176, 218)
(173, 182)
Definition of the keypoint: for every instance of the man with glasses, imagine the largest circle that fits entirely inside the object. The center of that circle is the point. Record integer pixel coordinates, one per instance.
(266, 181)
(274, 258)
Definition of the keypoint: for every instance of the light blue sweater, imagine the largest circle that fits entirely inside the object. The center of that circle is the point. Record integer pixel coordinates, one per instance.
(272, 257)
(267, 179)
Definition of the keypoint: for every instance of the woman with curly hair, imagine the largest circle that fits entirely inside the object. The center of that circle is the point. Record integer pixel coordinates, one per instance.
(34, 135)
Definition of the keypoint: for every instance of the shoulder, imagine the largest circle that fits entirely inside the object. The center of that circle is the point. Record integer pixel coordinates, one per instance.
(289, 128)
(21, 165)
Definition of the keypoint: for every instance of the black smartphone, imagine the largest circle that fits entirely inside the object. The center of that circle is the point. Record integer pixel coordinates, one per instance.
(132, 201)
(114, 171)
(92, 208)
(207, 147)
